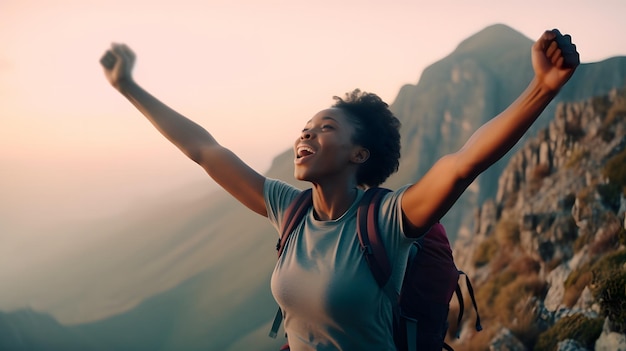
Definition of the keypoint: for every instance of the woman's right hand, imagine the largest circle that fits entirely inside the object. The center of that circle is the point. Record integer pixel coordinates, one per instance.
(118, 64)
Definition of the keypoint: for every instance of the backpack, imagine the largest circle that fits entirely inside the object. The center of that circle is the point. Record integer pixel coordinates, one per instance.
(431, 277)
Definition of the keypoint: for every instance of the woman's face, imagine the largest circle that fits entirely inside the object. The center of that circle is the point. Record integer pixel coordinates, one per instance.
(325, 148)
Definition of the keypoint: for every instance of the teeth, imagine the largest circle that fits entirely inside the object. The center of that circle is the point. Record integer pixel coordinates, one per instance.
(305, 150)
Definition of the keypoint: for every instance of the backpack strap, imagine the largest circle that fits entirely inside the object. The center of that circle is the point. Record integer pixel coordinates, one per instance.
(371, 242)
(459, 296)
(411, 333)
(278, 319)
(293, 216)
(411, 328)
(477, 325)
(369, 238)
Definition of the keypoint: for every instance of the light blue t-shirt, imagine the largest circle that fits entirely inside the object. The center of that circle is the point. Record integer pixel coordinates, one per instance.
(328, 295)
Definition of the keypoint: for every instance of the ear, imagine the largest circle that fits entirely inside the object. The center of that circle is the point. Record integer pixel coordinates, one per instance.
(360, 155)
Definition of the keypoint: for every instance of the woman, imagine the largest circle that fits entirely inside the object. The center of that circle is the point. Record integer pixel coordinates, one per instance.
(325, 289)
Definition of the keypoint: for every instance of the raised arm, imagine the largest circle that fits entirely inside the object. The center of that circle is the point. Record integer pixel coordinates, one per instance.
(426, 201)
(245, 184)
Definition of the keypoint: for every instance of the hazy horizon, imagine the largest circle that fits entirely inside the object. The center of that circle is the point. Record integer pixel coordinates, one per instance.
(73, 149)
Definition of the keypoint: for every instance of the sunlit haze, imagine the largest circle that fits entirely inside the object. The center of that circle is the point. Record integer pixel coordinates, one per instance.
(251, 72)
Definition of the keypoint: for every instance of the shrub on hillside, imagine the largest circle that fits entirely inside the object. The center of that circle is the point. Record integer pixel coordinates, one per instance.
(575, 284)
(566, 228)
(576, 327)
(585, 196)
(610, 195)
(577, 155)
(582, 240)
(614, 113)
(507, 232)
(487, 293)
(615, 170)
(525, 265)
(611, 293)
(601, 104)
(507, 301)
(606, 238)
(537, 175)
(528, 324)
(609, 288)
(477, 342)
(485, 251)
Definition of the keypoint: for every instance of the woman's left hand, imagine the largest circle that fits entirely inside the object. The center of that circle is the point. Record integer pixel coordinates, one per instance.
(554, 59)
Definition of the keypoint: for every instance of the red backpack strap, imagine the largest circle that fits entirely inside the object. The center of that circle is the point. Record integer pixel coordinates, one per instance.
(293, 215)
(369, 237)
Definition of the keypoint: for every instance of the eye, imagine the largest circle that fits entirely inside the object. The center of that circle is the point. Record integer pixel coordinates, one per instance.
(327, 127)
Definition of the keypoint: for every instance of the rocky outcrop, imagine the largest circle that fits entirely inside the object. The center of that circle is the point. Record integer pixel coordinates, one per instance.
(610, 340)
(506, 341)
(559, 207)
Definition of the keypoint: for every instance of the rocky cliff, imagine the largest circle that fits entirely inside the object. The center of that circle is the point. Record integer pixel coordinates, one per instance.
(547, 254)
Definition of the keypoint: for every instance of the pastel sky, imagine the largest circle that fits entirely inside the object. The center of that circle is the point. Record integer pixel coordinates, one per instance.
(252, 72)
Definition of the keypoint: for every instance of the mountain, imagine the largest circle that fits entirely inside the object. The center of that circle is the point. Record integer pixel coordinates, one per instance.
(459, 93)
(27, 330)
(194, 275)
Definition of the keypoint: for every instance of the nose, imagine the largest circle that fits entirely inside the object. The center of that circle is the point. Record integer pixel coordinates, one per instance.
(306, 134)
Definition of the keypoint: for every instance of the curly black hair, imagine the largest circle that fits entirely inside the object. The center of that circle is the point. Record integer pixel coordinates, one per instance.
(378, 130)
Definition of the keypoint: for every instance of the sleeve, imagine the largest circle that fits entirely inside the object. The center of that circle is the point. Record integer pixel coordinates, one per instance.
(390, 216)
(278, 195)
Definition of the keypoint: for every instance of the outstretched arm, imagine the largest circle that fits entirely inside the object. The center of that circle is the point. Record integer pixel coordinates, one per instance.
(426, 201)
(245, 184)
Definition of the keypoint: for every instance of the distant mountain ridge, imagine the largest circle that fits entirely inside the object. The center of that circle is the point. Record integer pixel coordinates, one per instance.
(27, 330)
(220, 256)
(459, 93)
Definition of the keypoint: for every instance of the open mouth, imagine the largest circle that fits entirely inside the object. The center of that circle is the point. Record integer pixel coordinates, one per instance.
(304, 151)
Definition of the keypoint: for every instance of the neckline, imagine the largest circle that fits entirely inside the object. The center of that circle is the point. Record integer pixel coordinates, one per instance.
(348, 213)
